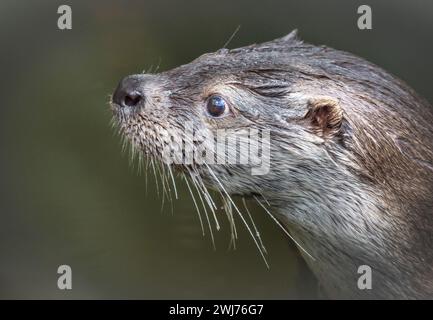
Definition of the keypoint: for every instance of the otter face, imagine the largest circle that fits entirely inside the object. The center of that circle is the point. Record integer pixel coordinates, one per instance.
(196, 128)
(224, 116)
(308, 128)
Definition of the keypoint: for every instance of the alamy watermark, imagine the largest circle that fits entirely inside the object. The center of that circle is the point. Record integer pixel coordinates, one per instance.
(64, 282)
(65, 19)
(365, 279)
(249, 147)
(365, 19)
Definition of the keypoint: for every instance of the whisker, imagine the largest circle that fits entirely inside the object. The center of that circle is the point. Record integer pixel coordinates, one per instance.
(172, 179)
(239, 213)
(154, 174)
(229, 212)
(211, 204)
(146, 174)
(254, 225)
(207, 215)
(264, 198)
(165, 185)
(195, 204)
(159, 64)
(285, 231)
(232, 36)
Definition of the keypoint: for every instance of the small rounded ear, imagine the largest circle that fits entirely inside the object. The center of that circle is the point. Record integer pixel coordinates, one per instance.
(325, 116)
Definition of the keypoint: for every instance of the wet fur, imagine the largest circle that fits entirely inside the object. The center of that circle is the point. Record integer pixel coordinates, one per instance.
(352, 183)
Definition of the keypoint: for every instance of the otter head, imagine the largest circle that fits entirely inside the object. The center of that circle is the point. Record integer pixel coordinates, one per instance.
(337, 147)
(230, 116)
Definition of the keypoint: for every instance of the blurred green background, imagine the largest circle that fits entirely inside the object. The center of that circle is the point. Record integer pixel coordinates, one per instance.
(68, 194)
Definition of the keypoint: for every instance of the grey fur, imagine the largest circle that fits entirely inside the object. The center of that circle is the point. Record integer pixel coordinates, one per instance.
(359, 196)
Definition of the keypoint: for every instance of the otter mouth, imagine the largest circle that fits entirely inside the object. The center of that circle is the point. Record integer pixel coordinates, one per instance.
(136, 131)
(122, 113)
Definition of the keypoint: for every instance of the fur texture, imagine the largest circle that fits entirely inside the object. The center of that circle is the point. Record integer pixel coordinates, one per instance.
(351, 174)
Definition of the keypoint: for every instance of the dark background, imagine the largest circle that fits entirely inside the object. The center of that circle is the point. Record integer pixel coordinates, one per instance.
(69, 196)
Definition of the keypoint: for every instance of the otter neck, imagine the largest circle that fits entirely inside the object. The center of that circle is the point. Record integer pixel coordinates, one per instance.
(340, 233)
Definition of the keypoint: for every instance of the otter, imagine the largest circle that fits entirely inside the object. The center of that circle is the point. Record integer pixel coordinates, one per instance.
(351, 154)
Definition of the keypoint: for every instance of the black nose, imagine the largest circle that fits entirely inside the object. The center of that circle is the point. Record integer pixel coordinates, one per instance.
(129, 92)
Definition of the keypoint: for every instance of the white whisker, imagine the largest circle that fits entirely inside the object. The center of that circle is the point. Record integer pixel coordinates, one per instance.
(254, 225)
(195, 204)
(239, 213)
(285, 231)
(207, 215)
(211, 204)
(172, 179)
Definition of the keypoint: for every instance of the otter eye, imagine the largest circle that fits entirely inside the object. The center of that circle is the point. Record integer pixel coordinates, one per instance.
(216, 106)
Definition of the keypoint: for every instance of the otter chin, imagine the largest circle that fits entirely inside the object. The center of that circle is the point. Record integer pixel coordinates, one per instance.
(349, 172)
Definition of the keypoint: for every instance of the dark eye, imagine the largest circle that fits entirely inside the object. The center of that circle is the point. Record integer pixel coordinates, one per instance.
(216, 106)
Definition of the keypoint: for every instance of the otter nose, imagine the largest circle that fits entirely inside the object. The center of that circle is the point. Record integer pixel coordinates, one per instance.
(129, 92)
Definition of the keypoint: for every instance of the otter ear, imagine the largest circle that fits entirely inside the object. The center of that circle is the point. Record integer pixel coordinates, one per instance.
(325, 116)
